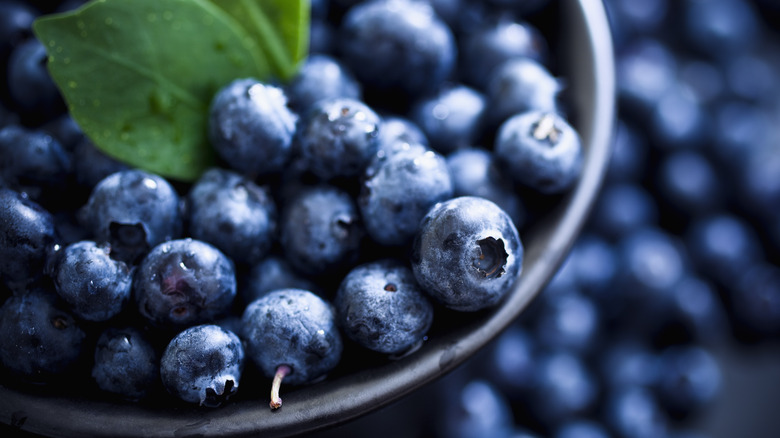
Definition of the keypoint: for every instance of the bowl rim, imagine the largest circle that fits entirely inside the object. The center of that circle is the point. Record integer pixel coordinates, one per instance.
(337, 401)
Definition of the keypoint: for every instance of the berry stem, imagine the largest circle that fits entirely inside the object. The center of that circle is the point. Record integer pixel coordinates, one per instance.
(281, 372)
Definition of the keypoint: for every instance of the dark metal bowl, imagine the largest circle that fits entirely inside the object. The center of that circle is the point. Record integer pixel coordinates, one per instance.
(583, 51)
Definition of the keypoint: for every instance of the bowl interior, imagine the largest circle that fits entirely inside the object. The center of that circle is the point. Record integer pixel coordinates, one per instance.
(584, 52)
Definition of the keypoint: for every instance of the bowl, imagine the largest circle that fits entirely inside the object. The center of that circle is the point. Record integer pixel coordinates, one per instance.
(365, 383)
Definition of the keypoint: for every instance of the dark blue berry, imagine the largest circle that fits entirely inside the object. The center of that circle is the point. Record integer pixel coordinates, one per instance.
(568, 320)
(380, 306)
(397, 129)
(520, 85)
(398, 189)
(321, 230)
(623, 208)
(511, 361)
(467, 253)
(91, 165)
(39, 338)
(477, 409)
(337, 137)
(689, 182)
(564, 387)
(541, 150)
(271, 273)
(203, 364)
(27, 234)
(755, 300)
(29, 83)
(251, 127)
(126, 364)
(321, 77)
(184, 282)
(581, 429)
(232, 213)
(397, 45)
(634, 412)
(690, 378)
(292, 327)
(133, 210)
(452, 118)
(94, 285)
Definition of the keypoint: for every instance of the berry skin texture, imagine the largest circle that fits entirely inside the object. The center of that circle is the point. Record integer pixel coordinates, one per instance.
(251, 127)
(380, 306)
(203, 364)
(337, 137)
(399, 188)
(95, 286)
(321, 230)
(39, 339)
(517, 86)
(292, 327)
(184, 282)
(467, 254)
(397, 45)
(452, 118)
(26, 234)
(133, 210)
(33, 162)
(321, 77)
(232, 213)
(542, 150)
(126, 364)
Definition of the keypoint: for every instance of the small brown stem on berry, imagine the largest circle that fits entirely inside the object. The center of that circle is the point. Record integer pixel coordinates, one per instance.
(281, 372)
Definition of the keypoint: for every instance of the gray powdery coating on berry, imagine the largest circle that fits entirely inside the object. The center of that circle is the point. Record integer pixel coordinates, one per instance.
(380, 306)
(292, 327)
(467, 254)
(33, 161)
(321, 230)
(398, 189)
(452, 118)
(337, 137)
(541, 150)
(520, 85)
(91, 282)
(39, 339)
(321, 77)
(184, 282)
(26, 234)
(251, 127)
(125, 363)
(132, 209)
(203, 364)
(232, 213)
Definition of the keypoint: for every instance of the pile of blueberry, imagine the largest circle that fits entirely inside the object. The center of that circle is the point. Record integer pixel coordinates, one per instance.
(380, 184)
(679, 264)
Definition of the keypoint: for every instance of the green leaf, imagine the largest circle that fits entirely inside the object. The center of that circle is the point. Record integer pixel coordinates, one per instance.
(138, 76)
(281, 28)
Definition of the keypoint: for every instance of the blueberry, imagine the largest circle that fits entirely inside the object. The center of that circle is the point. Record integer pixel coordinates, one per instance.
(517, 86)
(623, 208)
(337, 137)
(380, 306)
(321, 230)
(251, 127)
(750, 76)
(634, 412)
(33, 162)
(184, 282)
(474, 172)
(690, 379)
(628, 361)
(511, 360)
(653, 261)
(755, 300)
(679, 119)
(645, 70)
(29, 83)
(27, 234)
(689, 182)
(322, 37)
(203, 364)
(759, 179)
(640, 16)
(629, 151)
(467, 253)
(291, 334)
(724, 245)
(568, 320)
(321, 77)
(126, 364)
(95, 286)
(564, 387)
(271, 273)
(581, 429)
(492, 45)
(398, 189)
(479, 409)
(65, 130)
(397, 129)
(232, 213)
(722, 28)
(133, 210)
(16, 18)
(397, 45)
(452, 118)
(697, 307)
(541, 150)
(595, 264)
(39, 338)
